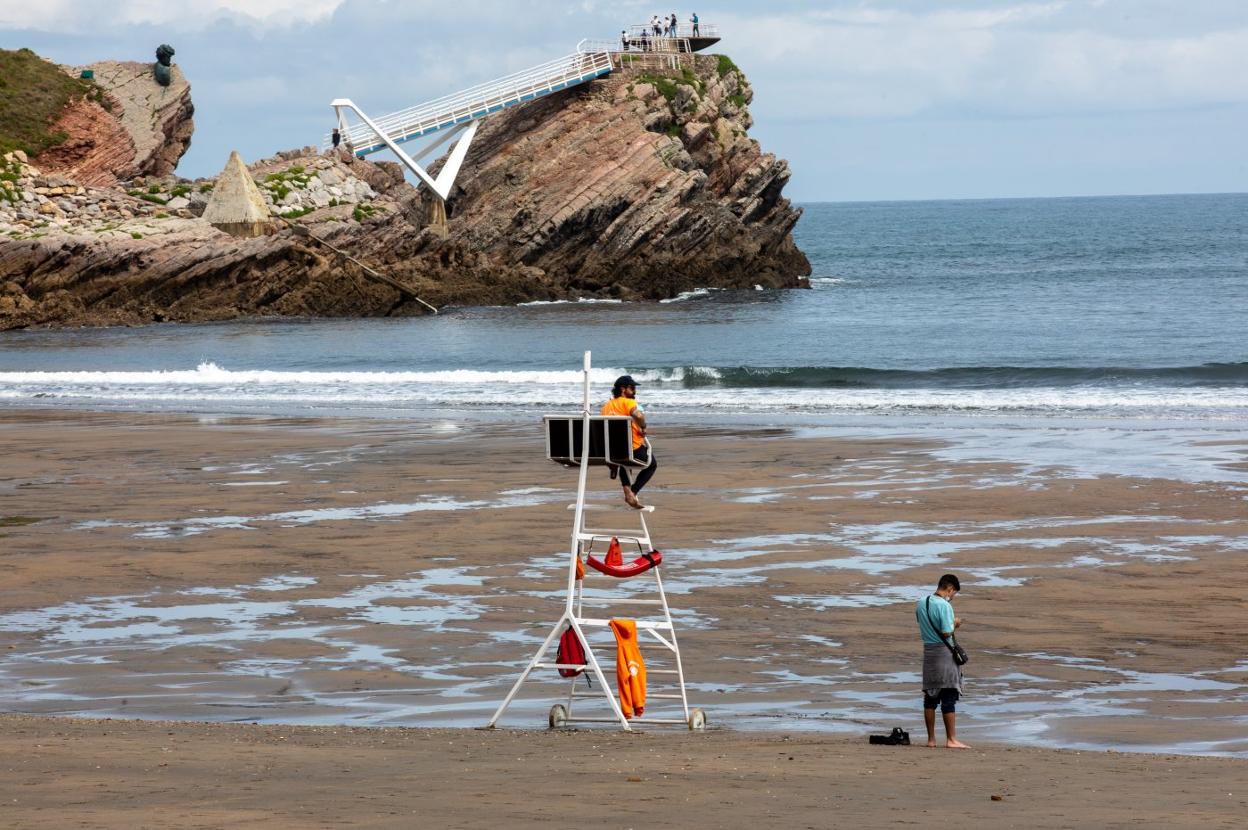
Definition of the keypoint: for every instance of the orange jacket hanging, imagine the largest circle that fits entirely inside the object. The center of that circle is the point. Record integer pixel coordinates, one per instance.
(630, 669)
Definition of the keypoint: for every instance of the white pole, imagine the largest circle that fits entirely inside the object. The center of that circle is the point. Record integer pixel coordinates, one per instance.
(580, 490)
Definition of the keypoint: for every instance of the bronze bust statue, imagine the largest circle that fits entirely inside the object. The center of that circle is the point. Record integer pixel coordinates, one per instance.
(163, 68)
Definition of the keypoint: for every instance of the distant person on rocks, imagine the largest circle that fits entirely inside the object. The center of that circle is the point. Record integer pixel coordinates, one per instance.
(694, 21)
(335, 137)
(624, 40)
(942, 677)
(624, 402)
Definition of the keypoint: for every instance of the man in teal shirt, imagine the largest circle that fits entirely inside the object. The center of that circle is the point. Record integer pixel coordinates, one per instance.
(942, 677)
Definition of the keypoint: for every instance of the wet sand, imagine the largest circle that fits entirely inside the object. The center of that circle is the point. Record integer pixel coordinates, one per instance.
(380, 573)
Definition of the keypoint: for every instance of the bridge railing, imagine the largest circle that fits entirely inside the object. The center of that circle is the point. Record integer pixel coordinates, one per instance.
(478, 100)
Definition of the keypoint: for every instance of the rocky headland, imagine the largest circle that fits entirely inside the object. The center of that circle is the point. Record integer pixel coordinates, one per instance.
(640, 185)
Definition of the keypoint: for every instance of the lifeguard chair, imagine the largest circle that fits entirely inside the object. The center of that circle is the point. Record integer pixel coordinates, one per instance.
(610, 443)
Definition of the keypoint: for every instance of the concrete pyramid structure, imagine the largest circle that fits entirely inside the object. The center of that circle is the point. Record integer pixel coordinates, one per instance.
(236, 205)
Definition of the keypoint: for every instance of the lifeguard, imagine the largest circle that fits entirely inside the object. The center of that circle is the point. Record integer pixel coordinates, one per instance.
(624, 402)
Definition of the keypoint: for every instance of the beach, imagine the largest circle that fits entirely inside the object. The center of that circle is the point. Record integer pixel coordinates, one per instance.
(345, 573)
(191, 775)
(254, 551)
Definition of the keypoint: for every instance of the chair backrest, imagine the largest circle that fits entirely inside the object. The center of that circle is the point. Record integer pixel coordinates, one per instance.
(610, 440)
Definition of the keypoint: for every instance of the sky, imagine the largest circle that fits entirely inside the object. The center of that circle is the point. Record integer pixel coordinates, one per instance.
(867, 99)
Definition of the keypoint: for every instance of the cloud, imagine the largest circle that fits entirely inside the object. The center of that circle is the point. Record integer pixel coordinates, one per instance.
(76, 16)
(1021, 60)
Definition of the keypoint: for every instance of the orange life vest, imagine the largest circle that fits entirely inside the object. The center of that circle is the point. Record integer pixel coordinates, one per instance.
(630, 669)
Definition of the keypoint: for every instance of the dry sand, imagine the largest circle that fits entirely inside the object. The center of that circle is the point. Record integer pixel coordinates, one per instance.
(66, 773)
(356, 572)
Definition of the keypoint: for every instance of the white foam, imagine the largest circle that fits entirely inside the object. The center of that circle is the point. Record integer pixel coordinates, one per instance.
(689, 295)
(581, 300)
(665, 388)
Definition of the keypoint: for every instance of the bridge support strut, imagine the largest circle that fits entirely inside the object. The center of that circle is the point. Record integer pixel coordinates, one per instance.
(445, 181)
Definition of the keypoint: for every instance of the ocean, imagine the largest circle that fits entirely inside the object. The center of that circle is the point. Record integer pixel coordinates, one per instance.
(1118, 308)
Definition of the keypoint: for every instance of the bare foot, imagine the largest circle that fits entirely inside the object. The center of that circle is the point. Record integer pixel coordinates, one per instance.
(955, 744)
(631, 499)
(931, 744)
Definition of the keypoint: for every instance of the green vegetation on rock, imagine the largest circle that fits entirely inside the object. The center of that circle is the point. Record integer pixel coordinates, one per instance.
(10, 172)
(726, 65)
(33, 94)
(665, 86)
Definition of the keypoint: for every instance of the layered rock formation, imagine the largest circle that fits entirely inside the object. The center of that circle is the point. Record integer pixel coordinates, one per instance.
(637, 186)
(141, 129)
(645, 184)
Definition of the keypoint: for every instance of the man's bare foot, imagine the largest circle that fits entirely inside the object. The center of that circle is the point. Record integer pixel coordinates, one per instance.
(955, 744)
(631, 499)
(931, 744)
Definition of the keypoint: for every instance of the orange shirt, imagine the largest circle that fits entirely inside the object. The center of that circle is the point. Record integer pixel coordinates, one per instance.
(625, 406)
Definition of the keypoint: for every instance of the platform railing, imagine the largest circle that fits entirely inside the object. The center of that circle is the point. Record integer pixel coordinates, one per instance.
(478, 101)
(667, 50)
(684, 30)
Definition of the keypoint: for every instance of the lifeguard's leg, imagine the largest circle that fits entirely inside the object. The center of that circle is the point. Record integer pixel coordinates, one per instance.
(645, 475)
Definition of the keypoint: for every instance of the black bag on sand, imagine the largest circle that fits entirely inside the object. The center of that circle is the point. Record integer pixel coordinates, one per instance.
(898, 737)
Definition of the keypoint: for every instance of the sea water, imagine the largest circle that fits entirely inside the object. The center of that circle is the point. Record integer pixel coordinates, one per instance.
(1120, 308)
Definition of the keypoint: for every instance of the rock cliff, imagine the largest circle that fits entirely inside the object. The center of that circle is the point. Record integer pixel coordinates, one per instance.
(140, 129)
(643, 184)
(637, 186)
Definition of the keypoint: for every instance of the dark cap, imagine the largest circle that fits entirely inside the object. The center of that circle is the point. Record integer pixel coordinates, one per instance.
(624, 380)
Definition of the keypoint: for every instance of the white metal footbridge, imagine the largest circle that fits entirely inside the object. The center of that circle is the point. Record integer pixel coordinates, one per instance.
(455, 116)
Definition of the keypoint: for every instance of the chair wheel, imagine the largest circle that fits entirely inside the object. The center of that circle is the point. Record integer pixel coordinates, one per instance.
(697, 720)
(558, 716)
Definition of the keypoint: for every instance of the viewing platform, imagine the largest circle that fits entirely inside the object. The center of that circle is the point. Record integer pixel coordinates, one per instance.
(642, 38)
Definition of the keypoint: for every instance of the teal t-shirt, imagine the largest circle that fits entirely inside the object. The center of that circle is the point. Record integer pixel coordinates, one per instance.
(941, 612)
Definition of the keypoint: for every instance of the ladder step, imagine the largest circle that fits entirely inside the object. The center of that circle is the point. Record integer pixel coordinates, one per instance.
(592, 720)
(642, 625)
(621, 600)
(641, 721)
(649, 508)
(663, 696)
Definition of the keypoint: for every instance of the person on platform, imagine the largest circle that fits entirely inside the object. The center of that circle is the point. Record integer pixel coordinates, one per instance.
(694, 21)
(624, 402)
(942, 677)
